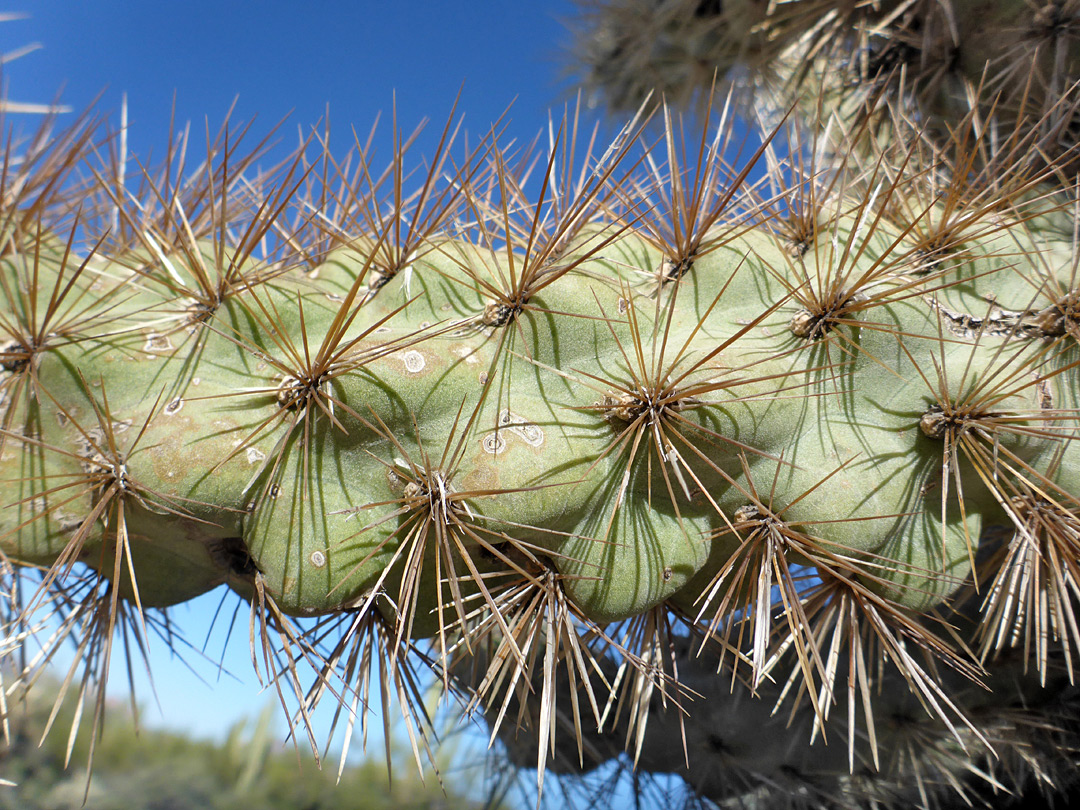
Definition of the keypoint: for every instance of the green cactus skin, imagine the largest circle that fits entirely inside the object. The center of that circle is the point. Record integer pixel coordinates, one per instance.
(553, 435)
(616, 432)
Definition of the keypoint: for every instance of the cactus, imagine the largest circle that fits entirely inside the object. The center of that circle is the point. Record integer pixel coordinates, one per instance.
(929, 53)
(593, 435)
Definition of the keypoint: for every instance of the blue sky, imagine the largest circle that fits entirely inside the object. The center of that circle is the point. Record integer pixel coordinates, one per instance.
(280, 59)
(293, 59)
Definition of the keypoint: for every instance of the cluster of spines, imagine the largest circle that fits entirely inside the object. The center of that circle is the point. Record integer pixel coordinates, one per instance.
(527, 627)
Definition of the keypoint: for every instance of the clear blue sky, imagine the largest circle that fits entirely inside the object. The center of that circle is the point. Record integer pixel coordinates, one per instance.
(286, 58)
(280, 59)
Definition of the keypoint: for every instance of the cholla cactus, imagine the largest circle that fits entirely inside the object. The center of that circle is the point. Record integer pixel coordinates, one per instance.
(595, 436)
(938, 59)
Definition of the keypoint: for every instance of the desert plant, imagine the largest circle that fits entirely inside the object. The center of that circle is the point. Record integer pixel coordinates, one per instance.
(592, 433)
(142, 769)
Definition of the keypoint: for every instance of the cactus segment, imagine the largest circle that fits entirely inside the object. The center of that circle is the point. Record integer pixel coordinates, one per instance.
(546, 426)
